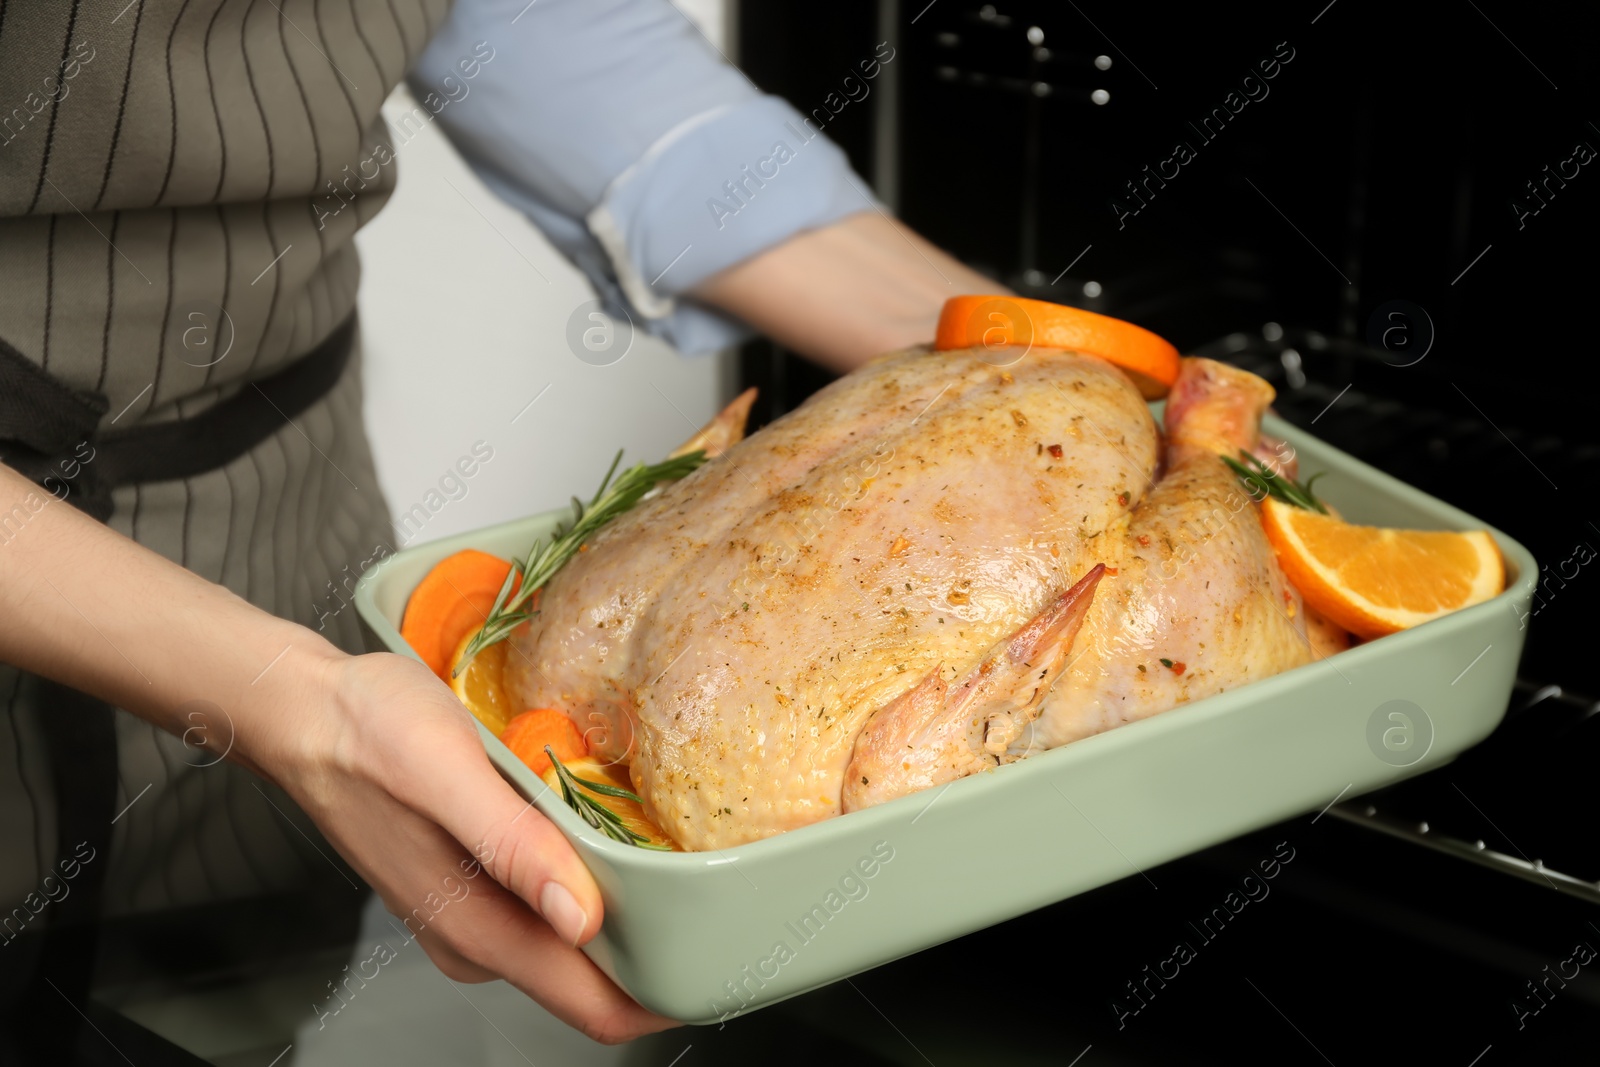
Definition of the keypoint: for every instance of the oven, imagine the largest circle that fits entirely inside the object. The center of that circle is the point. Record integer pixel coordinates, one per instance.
(1387, 212)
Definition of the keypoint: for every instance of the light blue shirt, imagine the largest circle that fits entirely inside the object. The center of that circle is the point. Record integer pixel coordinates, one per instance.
(648, 160)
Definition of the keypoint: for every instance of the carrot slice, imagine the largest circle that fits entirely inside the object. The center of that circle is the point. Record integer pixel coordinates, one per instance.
(528, 733)
(452, 599)
(994, 321)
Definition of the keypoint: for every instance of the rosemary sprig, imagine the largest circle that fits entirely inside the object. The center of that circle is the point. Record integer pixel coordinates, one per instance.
(595, 813)
(1262, 481)
(546, 557)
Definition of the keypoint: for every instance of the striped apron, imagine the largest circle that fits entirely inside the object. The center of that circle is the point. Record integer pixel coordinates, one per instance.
(180, 184)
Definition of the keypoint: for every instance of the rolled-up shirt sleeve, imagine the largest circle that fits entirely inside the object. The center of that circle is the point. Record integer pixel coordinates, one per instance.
(621, 133)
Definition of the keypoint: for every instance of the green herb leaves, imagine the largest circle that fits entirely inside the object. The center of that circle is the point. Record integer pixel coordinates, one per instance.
(546, 557)
(1262, 481)
(595, 813)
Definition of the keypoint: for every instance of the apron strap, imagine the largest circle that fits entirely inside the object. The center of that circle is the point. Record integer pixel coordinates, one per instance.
(40, 412)
(46, 426)
(59, 942)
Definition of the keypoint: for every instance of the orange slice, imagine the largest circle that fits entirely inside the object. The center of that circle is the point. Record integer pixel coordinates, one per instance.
(995, 322)
(1374, 581)
(479, 687)
(631, 814)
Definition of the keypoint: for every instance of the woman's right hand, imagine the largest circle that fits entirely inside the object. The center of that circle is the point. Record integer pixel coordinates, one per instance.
(387, 762)
(376, 749)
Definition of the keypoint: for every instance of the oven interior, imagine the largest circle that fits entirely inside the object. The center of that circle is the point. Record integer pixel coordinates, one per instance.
(1392, 229)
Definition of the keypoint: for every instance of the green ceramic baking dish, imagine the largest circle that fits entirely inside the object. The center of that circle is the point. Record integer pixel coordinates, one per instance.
(710, 935)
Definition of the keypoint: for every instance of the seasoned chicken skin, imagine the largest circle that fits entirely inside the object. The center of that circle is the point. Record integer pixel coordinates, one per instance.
(934, 566)
(1199, 604)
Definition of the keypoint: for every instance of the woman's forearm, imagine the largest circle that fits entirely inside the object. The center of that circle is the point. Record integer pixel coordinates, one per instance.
(87, 607)
(374, 748)
(847, 292)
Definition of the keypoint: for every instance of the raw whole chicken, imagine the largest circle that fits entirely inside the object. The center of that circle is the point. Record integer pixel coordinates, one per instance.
(934, 566)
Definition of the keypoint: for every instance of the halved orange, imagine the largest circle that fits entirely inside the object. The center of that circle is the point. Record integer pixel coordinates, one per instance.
(996, 322)
(1375, 581)
(479, 687)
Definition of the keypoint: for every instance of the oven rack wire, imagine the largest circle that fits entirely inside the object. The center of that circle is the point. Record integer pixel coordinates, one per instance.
(1539, 715)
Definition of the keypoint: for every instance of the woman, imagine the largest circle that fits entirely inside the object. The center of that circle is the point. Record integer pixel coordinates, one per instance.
(180, 181)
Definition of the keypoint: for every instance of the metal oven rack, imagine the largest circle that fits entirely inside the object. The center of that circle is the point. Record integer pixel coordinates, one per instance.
(1561, 712)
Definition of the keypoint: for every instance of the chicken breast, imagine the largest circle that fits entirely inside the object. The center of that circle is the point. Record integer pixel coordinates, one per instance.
(934, 566)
